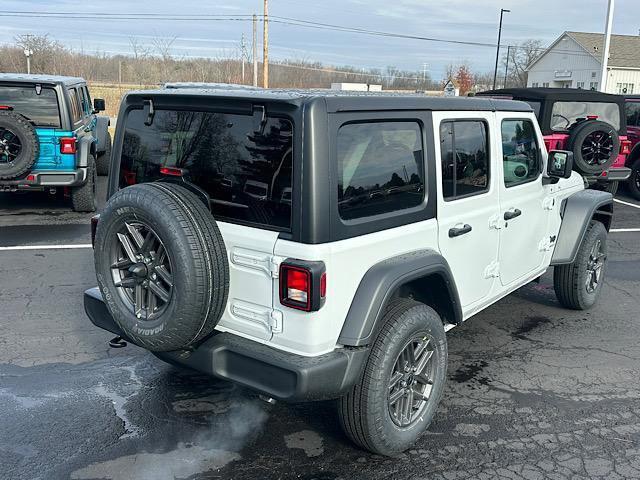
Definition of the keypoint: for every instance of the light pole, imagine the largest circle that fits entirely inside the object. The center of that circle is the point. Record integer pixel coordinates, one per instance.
(506, 68)
(495, 72)
(27, 53)
(607, 45)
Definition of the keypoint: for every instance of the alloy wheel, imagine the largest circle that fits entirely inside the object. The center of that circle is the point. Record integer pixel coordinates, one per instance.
(597, 148)
(10, 146)
(141, 270)
(412, 380)
(594, 267)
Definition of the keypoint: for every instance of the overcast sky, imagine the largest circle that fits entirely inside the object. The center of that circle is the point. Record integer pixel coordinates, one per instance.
(467, 20)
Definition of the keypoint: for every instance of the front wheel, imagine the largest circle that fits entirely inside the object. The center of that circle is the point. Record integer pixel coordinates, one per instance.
(398, 393)
(578, 285)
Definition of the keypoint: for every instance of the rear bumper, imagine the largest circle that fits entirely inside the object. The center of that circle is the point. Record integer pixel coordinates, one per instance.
(46, 179)
(275, 373)
(613, 175)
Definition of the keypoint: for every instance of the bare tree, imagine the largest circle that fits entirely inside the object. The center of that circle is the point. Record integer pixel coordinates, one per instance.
(517, 60)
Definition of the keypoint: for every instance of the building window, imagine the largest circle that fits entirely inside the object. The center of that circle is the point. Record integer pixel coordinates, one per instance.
(593, 85)
(545, 84)
(534, 85)
(580, 84)
(624, 88)
(594, 74)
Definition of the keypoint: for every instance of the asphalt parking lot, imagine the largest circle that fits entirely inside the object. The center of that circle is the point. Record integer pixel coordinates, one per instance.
(534, 391)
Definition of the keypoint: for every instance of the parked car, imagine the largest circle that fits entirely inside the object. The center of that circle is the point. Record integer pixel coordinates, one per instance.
(320, 297)
(632, 105)
(51, 137)
(590, 124)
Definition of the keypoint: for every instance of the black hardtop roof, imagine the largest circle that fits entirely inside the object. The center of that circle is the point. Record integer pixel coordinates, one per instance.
(46, 79)
(337, 100)
(553, 94)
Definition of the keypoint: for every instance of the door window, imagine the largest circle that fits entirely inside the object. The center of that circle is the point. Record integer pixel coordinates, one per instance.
(464, 151)
(76, 105)
(380, 168)
(520, 152)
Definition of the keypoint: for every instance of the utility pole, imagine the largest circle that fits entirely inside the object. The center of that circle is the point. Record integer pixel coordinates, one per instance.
(265, 46)
(254, 47)
(495, 72)
(243, 54)
(424, 74)
(28, 52)
(506, 68)
(607, 44)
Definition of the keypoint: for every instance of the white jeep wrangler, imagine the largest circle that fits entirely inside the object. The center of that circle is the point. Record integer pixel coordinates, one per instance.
(317, 246)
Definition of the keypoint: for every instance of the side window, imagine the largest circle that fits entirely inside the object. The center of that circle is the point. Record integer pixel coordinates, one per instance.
(76, 114)
(520, 152)
(633, 114)
(464, 151)
(84, 100)
(380, 168)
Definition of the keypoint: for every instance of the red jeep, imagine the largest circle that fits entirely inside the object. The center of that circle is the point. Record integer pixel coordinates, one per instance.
(591, 124)
(633, 131)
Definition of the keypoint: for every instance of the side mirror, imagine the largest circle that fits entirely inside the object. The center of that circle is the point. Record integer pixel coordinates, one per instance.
(560, 164)
(98, 105)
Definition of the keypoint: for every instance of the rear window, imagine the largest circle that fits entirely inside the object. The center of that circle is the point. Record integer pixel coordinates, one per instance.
(565, 114)
(248, 175)
(40, 105)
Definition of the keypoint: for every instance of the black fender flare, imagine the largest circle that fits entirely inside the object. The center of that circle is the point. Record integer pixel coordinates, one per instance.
(381, 281)
(577, 211)
(100, 131)
(85, 149)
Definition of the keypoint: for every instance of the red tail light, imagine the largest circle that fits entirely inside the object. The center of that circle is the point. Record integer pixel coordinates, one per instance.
(94, 226)
(68, 145)
(172, 171)
(303, 285)
(625, 147)
(5, 107)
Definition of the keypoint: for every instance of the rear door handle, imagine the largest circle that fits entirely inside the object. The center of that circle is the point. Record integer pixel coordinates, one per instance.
(456, 232)
(511, 214)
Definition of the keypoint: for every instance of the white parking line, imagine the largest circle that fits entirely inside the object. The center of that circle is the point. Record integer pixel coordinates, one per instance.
(46, 247)
(626, 203)
(623, 230)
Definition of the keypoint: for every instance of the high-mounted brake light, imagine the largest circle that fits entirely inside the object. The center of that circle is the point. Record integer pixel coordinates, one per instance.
(303, 285)
(592, 117)
(5, 107)
(68, 145)
(173, 171)
(625, 147)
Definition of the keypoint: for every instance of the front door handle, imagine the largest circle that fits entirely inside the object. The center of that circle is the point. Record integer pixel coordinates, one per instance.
(511, 214)
(456, 232)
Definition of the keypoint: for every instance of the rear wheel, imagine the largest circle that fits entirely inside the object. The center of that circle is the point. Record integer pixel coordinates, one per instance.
(634, 180)
(398, 393)
(83, 198)
(161, 266)
(578, 285)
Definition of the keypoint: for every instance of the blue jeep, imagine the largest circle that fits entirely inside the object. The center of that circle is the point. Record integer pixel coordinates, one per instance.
(51, 137)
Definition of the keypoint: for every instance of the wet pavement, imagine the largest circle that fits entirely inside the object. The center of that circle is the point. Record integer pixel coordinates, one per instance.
(534, 391)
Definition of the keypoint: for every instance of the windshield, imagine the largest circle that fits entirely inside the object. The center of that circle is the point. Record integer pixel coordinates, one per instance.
(41, 109)
(565, 114)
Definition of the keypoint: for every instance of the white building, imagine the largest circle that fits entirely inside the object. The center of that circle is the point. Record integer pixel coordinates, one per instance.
(575, 61)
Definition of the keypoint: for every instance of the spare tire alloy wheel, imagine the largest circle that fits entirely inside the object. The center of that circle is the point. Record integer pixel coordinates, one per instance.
(597, 148)
(161, 265)
(19, 145)
(141, 270)
(595, 145)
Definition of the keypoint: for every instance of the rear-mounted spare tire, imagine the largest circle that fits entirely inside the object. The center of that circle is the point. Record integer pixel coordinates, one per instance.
(161, 265)
(595, 145)
(19, 145)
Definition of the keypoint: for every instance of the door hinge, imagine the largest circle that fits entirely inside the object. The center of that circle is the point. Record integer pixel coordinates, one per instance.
(492, 271)
(548, 203)
(275, 321)
(274, 264)
(496, 222)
